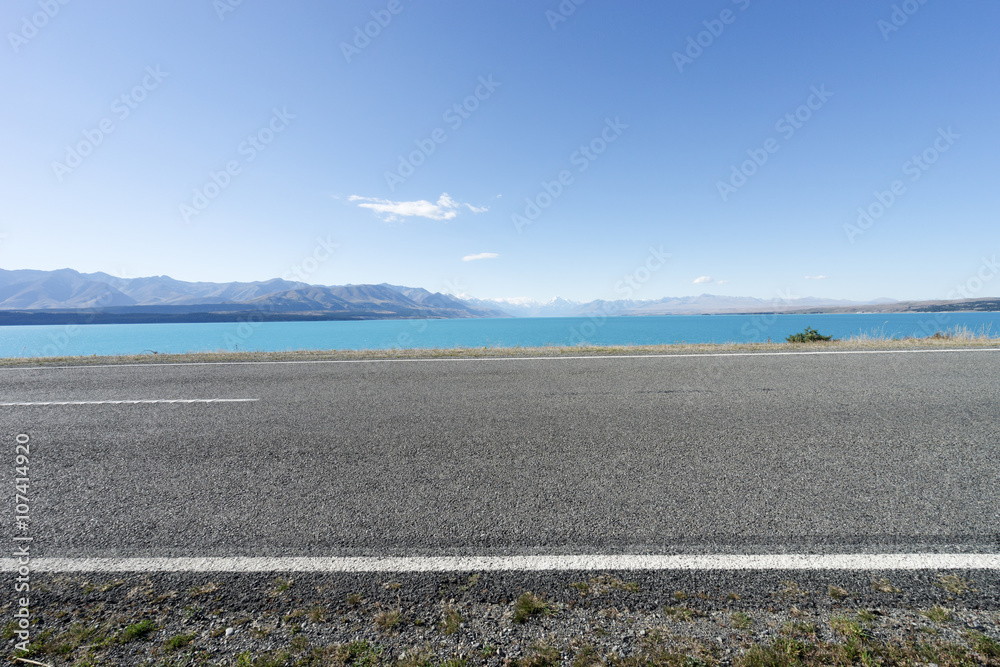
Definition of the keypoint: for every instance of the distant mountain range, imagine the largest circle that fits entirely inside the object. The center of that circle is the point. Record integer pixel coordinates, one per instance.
(28, 296)
(703, 304)
(64, 296)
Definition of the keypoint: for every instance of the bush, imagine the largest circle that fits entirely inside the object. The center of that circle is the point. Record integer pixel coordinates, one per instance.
(810, 335)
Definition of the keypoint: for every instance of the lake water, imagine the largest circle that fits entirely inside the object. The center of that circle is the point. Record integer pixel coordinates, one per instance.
(111, 339)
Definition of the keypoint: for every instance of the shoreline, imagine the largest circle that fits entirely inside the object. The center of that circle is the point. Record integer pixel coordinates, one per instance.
(941, 343)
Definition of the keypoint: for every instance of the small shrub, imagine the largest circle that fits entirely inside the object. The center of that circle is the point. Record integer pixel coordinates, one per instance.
(810, 335)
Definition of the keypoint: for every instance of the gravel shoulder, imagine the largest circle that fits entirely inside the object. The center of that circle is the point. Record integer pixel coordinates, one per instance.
(613, 618)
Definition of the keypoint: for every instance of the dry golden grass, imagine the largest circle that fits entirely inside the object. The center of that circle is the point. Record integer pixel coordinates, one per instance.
(955, 338)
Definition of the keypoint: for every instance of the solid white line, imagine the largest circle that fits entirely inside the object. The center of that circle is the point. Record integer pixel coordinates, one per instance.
(512, 358)
(237, 564)
(141, 401)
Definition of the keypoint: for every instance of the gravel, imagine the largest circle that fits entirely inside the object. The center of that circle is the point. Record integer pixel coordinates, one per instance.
(506, 618)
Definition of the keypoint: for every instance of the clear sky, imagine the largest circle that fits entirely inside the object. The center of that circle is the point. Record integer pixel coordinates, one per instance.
(509, 149)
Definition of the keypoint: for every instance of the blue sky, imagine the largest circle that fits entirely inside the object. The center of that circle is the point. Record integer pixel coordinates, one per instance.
(501, 149)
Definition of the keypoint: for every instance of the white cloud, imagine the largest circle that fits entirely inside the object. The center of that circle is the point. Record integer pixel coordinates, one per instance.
(445, 208)
(721, 282)
(702, 280)
(482, 255)
(815, 277)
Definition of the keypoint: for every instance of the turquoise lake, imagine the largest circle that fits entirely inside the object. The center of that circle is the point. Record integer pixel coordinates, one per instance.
(110, 339)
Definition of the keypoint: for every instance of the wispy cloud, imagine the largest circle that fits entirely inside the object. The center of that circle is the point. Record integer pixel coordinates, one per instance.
(445, 208)
(815, 277)
(701, 280)
(721, 282)
(482, 255)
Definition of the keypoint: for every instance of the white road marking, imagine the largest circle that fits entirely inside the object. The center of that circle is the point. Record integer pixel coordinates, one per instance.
(989, 561)
(511, 358)
(141, 401)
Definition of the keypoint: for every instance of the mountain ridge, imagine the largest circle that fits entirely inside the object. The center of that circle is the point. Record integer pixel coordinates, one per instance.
(36, 296)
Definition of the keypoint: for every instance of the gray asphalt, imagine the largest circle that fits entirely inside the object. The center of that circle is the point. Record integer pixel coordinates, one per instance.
(698, 454)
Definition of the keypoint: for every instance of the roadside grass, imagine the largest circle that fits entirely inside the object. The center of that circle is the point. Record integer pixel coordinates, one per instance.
(836, 592)
(49, 642)
(845, 638)
(541, 654)
(197, 591)
(451, 621)
(679, 613)
(845, 626)
(471, 583)
(179, 641)
(986, 646)
(740, 620)
(954, 584)
(937, 614)
(137, 631)
(866, 616)
(281, 585)
(956, 337)
(884, 586)
(602, 585)
(389, 620)
(528, 605)
(789, 651)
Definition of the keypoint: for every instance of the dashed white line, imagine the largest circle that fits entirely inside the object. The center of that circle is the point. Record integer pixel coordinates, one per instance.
(139, 401)
(917, 561)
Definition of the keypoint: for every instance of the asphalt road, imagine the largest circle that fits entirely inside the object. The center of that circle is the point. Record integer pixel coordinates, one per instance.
(838, 453)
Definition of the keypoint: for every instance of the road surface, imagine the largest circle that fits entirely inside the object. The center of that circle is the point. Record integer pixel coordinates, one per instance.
(681, 455)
